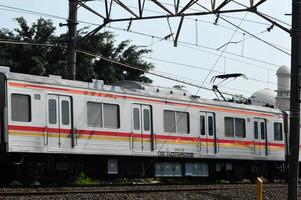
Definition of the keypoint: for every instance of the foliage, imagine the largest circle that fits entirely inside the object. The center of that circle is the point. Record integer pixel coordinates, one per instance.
(43, 60)
(83, 179)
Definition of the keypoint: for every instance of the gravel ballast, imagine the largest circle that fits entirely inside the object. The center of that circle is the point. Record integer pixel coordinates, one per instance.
(248, 192)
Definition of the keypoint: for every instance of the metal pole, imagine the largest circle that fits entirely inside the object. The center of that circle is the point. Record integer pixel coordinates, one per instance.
(259, 188)
(72, 40)
(293, 172)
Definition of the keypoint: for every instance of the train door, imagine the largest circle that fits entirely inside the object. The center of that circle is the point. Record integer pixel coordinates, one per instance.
(59, 126)
(260, 136)
(141, 128)
(207, 142)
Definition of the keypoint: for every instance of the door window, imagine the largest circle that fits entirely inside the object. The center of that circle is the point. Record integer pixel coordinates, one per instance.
(52, 111)
(202, 125)
(262, 127)
(136, 116)
(256, 130)
(210, 125)
(146, 119)
(65, 112)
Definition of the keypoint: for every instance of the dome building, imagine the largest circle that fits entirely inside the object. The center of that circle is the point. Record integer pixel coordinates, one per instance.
(265, 97)
(279, 98)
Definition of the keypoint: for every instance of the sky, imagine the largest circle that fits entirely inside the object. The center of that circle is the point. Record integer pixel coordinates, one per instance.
(196, 59)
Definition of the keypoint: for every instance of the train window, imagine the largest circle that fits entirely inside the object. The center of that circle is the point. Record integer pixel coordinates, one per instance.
(65, 113)
(256, 130)
(146, 119)
(136, 116)
(278, 131)
(182, 122)
(229, 127)
(240, 128)
(176, 122)
(235, 126)
(110, 115)
(202, 125)
(94, 114)
(52, 111)
(21, 107)
(169, 121)
(210, 125)
(262, 128)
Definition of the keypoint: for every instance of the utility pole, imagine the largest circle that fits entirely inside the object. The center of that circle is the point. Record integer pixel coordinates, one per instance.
(72, 40)
(293, 172)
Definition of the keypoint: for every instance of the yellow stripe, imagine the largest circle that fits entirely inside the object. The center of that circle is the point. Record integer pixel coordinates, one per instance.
(113, 138)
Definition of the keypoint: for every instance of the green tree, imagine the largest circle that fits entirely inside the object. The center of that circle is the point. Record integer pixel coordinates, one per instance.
(44, 60)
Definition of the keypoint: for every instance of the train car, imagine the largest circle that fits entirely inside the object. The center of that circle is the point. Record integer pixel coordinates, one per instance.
(134, 129)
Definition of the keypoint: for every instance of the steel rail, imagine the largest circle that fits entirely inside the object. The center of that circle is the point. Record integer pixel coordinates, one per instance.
(201, 188)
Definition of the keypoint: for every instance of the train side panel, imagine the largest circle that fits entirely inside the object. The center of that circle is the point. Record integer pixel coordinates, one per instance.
(46, 131)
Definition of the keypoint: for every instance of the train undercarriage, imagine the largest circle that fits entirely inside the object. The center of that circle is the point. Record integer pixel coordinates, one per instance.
(63, 169)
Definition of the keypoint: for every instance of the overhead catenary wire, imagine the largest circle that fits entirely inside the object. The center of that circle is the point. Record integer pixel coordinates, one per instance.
(249, 33)
(199, 88)
(224, 49)
(204, 69)
(192, 46)
(278, 20)
(151, 58)
(224, 15)
(143, 34)
(244, 31)
(149, 72)
(125, 65)
(112, 61)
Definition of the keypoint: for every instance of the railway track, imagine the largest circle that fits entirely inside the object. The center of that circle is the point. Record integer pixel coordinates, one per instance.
(45, 191)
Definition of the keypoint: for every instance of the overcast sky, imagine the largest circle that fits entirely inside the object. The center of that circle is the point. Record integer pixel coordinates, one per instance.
(196, 53)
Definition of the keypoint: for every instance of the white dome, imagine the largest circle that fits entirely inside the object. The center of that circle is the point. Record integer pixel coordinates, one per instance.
(264, 97)
(284, 70)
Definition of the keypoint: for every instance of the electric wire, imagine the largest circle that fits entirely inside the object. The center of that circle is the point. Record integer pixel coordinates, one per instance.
(143, 34)
(155, 59)
(112, 61)
(224, 49)
(202, 68)
(278, 20)
(249, 33)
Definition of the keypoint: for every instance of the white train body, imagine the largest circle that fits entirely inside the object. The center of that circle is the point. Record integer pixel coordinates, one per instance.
(183, 134)
(52, 115)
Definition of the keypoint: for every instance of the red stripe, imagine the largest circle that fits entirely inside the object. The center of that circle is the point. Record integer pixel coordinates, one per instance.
(38, 129)
(136, 135)
(105, 133)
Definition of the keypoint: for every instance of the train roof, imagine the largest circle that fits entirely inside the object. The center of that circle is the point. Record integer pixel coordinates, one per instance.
(131, 88)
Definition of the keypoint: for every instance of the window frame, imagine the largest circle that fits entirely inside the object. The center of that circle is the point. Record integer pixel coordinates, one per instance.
(63, 116)
(202, 125)
(136, 119)
(102, 125)
(263, 131)
(29, 107)
(256, 132)
(50, 113)
(233, 119)
(281, 131)
(233, 127)
(175, 112)
(146, 120)
(103, 115)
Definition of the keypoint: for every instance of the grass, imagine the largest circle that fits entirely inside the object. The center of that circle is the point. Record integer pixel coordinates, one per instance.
(83, 179)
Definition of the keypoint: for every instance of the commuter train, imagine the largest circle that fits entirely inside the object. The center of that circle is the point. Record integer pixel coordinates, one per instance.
(130, 129)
